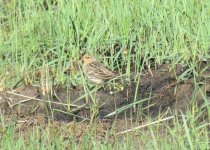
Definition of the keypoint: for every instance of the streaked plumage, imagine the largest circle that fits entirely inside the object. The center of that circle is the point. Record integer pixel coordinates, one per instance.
(95, 71)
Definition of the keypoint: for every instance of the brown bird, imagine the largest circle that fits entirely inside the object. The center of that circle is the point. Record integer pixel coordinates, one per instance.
(95, 71)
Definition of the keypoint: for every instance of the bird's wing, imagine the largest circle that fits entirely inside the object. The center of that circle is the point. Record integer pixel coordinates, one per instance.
(101, 71)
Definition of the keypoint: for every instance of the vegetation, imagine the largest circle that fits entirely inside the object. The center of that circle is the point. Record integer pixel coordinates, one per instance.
(42, 40)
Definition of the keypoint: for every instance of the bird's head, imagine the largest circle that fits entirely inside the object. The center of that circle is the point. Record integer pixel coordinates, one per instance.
(86, 59)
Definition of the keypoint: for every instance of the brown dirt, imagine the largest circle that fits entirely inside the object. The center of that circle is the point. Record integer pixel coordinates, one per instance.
(165, 91)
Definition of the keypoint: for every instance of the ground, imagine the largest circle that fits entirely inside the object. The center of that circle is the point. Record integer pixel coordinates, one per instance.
(29, 108)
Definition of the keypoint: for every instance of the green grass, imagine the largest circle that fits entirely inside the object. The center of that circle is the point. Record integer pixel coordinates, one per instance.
(33, 39)
(182, 133)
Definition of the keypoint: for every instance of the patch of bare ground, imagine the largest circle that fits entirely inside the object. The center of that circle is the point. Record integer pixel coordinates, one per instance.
(29, 108)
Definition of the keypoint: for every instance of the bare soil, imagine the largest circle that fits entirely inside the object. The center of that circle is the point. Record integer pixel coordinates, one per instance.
(28, 107)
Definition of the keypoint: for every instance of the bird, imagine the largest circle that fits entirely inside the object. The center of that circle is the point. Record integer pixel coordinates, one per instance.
(95, 71)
